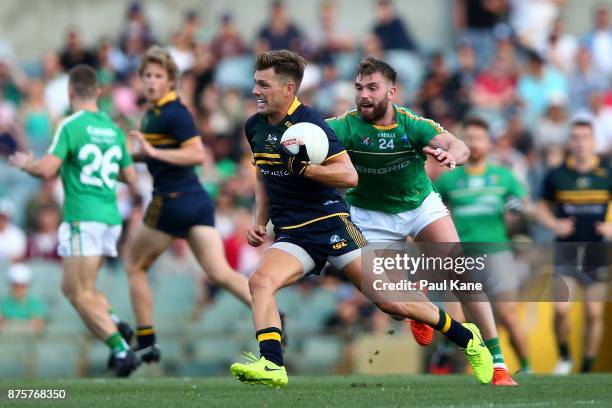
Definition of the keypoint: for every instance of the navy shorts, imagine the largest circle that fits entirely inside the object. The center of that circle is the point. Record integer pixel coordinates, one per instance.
(322, 244)
(176, 213)
(587, 263)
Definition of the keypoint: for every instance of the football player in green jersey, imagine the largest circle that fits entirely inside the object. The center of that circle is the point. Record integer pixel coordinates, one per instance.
(89, 152)
(481, 193)
(394, 199)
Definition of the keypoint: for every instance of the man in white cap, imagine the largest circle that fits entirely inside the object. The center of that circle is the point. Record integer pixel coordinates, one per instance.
(12, 237)
(20, 308)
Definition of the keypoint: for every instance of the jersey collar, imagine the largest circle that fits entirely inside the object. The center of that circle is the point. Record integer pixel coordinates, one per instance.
(391, 126)
(294, 105)
(169, 97)
(475, 171)
(571, 162)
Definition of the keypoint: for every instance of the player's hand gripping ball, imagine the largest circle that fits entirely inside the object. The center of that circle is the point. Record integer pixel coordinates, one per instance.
(304, 143)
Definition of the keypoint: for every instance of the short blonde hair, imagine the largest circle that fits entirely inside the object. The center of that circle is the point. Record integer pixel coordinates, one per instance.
(158, 55)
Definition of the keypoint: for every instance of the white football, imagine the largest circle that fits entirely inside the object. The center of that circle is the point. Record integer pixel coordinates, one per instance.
(310, 135)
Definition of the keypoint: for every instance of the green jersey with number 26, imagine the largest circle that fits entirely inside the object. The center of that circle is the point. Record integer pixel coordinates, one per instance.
(93, 151)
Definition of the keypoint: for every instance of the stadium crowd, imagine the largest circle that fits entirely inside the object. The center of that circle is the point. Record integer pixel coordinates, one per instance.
(511, 62)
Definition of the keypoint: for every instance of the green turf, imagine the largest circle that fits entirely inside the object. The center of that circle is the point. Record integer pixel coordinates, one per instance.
(328, 391)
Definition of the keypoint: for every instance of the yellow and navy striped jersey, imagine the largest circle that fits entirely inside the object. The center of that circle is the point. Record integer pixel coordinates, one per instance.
(584, 196)
(294, 201)
(168, 125)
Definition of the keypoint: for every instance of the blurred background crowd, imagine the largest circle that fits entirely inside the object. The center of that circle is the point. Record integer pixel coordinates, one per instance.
(511, 62)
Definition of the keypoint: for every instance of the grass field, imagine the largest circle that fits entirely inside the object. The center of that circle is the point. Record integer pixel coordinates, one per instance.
(330, 391)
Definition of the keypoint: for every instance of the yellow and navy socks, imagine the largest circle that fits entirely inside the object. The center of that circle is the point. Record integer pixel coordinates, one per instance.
(117, 344)
(270, 344)
(495, 349)
(145, 335)
(453, 330)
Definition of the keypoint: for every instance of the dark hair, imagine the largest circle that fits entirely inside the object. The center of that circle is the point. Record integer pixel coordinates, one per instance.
(371, 65)
(582, 122)
(476, 121)
(83, 81)
(284, 62)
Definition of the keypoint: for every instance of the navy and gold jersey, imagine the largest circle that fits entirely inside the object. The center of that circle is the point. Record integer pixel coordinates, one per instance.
(168, 125)
(583, 196)
(295, 202)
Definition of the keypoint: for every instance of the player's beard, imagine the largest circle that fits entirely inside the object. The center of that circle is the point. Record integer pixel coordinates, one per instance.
(374, 114)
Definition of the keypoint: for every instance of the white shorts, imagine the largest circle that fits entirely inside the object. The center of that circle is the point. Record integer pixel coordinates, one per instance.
(378, 226)
(87, 238)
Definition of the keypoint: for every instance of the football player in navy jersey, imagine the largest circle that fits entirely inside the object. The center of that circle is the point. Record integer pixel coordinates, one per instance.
(180, 207)
(311, 223)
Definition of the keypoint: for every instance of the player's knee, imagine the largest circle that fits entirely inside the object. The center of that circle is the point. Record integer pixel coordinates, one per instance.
(593, 315)
(261, 283)
(68, 290)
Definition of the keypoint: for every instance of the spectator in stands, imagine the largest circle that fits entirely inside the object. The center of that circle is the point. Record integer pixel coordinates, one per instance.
(462, 80)
(56, 86)
(391, 30)
(553, 128)
(537, 85)
(474, 21)
(181, 50)
(533, 21)
(602, 123)
(42, 244)
(599, 40)
(106, 76)
(12, 82)
(35, 118)
(21, 310)
(494, 88)
(136, 28)
(584, 80)
(74, 53)
(561, 48)
(43, 197)
(11, 133)
(12, 238)
(332, 37)
(227, 43)
(279, 32)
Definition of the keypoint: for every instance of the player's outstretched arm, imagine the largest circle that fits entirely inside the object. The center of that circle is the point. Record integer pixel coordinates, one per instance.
(337, 171)
(190, 153)
(447, 150)
(46, 167)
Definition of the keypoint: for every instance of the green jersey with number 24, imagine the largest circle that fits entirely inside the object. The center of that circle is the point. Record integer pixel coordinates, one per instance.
(93, 151)
(389, 159)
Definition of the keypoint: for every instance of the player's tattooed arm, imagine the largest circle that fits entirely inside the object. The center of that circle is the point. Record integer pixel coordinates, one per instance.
(447, 150)
(337, 171)
(46, 167)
